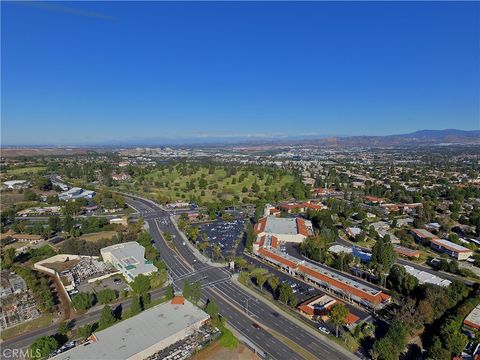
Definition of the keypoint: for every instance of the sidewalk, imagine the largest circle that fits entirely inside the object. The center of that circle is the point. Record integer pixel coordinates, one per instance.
(291, 317)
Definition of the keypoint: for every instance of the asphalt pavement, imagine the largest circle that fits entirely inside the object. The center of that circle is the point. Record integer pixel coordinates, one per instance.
(232, 301)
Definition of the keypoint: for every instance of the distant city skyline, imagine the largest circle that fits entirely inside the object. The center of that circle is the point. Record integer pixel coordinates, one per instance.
(95, 72)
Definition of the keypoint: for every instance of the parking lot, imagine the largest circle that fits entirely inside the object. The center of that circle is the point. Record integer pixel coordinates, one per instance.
(224, 233)
(185, 348)
(115, 282)
(302, 290)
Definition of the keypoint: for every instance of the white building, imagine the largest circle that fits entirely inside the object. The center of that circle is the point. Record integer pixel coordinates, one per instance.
(143, 335)
(16, 184)
(76, 193)
(129, 258)
(284, 229)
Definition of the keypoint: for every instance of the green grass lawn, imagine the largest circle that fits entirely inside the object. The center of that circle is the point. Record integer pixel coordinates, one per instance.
(26, 170)
(220, 187)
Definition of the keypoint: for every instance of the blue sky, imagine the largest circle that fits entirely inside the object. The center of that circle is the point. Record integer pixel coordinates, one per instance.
(84, 73)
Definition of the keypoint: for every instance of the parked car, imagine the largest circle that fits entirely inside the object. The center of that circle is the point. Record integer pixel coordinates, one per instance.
(324, 330)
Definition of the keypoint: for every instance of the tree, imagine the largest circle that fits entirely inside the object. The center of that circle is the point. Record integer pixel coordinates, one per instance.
(54, 223)
(169, 292)
(284, 293)
(136, 306)
(158, 278)
(83, 301)
(42, 347)
(382, 350)
(144, 239)
(212, 308)
(260, 276)
(141, 284)
(43, 183)
(273, 281)
(106, 318)
(85, 331)
(63, 328)
(196, 292)
(216, 251)
(383, 256)
(338, 314)
(8, 257)
(106, 296)
(186, 292)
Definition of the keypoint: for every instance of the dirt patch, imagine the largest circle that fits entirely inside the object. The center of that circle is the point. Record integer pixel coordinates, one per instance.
(216, 352)
(99, 235)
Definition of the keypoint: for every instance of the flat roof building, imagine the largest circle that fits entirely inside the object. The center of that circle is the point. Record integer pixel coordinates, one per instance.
(129, 258)
(423, 236)
(348, 287)
(473, 319)
(425, 277)
(76, 193)
(142, 335)
(454, 250)
(316, 306)
(284, 229)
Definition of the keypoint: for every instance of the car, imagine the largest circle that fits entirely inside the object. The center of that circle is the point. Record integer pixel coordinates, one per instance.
(117, 281)
(184, 243)
(324, 330)
(256, 326)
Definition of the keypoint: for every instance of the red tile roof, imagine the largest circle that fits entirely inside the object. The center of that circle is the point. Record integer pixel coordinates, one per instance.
(310, 309)
(313, 206)
(260, 225)
(278, 258)
(345, 287)
(351, 319)
(274, 243)
(302, 229)
(262, 241)
(178, 300)
(471, 324)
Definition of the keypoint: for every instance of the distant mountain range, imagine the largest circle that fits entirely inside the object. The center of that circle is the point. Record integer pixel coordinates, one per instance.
(417, 138)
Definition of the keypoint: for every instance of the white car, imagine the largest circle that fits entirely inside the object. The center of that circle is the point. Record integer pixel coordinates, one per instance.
(183, 243)
(324, 330)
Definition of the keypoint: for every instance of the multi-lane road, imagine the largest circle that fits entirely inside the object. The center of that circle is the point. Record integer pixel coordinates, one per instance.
(270, 332)
(24, 340)
(240, 308)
